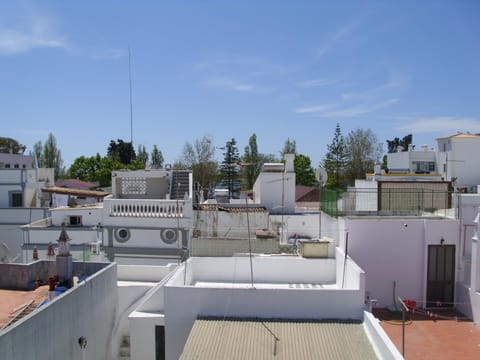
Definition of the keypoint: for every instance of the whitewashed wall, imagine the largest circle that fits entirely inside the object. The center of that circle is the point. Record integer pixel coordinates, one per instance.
(393, 253)
(52, 331)
(222, 224)
(274, 189)
(184, 303)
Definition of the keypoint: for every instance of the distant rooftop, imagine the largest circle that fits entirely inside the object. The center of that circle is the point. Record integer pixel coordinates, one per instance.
(77, 184)
(460, 136)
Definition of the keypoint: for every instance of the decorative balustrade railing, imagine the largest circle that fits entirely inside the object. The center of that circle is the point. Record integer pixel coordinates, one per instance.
(148, 209)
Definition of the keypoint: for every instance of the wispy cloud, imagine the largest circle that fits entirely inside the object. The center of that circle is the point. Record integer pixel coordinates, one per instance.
(110, 54)
(39, 33)
(339, 35)
(359, 110)
(339, 111)
(319, 83)
(315, 109)
(234, 85)
(239, 73)
(395, 81)
(440, 124)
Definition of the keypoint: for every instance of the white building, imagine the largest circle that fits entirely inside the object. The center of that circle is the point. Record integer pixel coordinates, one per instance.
(21, 201)
(458, 159)
(260, 287)
(413, 162)
(275, 186)
(20, 183)
(16, 161)
(148, 216)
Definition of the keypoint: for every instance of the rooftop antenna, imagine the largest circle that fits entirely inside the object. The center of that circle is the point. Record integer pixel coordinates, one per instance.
(249, 241)
(131, 103)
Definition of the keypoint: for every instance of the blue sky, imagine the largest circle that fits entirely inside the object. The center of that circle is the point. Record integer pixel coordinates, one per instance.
(280, 69)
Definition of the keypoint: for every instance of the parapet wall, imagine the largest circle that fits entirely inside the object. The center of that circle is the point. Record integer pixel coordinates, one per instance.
(23, 276)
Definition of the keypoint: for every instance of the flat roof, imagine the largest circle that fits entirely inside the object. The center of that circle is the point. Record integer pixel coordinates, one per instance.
(436, 334)
(257, 285)
(282, 339)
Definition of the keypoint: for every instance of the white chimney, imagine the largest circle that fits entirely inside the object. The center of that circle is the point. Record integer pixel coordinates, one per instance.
(289, 158)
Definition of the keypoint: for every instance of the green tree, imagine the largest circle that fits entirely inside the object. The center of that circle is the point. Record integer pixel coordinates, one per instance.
(252, 161)
(199, 157)
(94, 168)
(52, 157)
(363, 152)
(121, 151)
(304, 173)
(289, 147)
(49, 156)
(11, 146)
(157, 158)
(399, 144)
(335, 160)
(230, 168)
(37, 152)
(142, 155)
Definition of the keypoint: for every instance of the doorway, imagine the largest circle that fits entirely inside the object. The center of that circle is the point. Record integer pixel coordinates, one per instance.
(441, 276)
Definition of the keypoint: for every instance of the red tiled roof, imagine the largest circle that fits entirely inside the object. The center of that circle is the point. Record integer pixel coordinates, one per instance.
(77, 184)
(306, 193)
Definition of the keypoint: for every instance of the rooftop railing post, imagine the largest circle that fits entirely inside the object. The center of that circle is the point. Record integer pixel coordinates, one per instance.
(404, 309)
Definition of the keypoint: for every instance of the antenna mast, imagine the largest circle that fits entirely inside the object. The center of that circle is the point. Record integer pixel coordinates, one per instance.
(131, 103)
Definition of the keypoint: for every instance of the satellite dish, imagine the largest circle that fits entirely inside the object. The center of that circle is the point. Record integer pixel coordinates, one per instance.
(321, 175)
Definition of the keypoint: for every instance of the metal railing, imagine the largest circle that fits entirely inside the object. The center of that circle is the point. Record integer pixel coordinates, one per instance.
(403, 201)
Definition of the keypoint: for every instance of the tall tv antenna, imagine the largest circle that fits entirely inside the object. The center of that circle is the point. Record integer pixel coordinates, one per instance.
(131, 102)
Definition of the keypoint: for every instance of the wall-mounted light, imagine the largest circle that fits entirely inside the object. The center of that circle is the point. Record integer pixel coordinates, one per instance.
(82, 342)
(442, 240)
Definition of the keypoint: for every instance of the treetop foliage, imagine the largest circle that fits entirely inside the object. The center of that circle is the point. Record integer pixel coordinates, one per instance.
(398, 144)
(11, 146)
(121, 151)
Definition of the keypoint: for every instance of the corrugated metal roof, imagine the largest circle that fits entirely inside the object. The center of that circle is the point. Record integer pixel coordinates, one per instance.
(255, 339)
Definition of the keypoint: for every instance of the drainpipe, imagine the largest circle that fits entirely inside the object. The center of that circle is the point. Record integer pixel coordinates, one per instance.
(23, 182)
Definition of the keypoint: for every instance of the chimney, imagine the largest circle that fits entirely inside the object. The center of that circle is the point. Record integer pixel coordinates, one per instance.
(289, 158)
(64, 259)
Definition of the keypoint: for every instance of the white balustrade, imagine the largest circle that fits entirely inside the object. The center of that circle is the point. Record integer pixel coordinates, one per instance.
(147, 208)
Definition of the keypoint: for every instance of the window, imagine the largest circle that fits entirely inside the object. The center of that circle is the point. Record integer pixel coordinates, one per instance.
(16, 166)
(75, 220)
(24, 166)
(7, 166)
(16, 199)
(423, 167)
(122, 235)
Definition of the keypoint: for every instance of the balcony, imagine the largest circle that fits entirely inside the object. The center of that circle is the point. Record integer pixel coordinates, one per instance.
(135, 208)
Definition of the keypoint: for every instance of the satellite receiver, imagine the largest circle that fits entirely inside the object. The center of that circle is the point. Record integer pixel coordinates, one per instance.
(321, 176)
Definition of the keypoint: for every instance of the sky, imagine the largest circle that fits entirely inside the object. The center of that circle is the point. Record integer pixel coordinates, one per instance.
(229, 69)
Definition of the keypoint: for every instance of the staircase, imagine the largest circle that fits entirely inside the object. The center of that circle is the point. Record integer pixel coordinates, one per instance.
(124, 350)
(180, 184)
